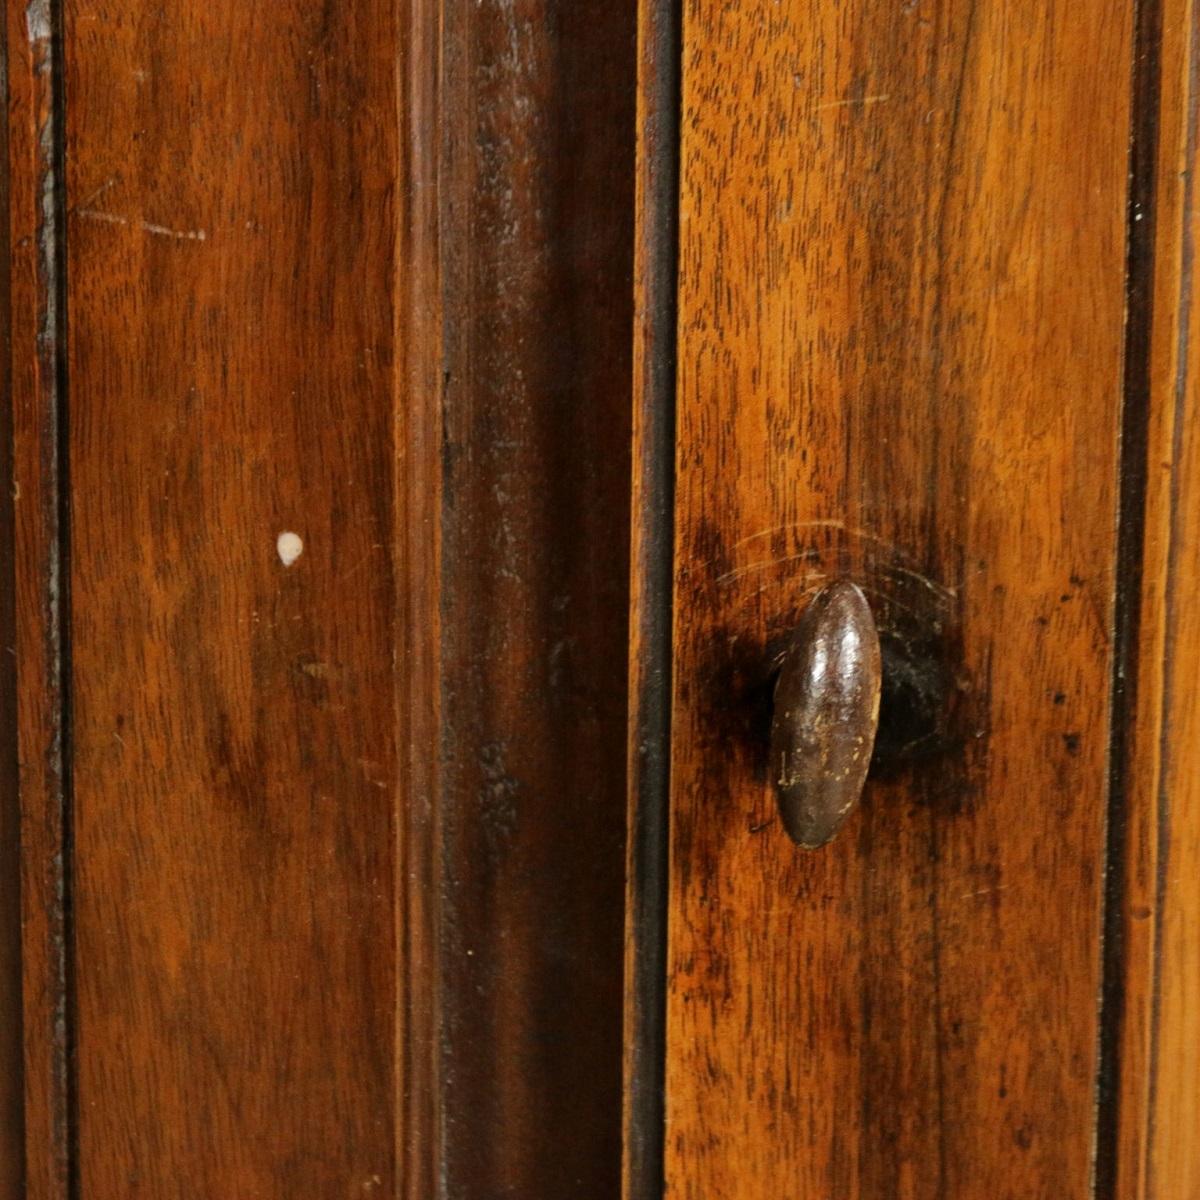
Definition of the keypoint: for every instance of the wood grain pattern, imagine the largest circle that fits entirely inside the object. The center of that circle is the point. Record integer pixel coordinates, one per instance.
(418, 506)
(231, 174)
(1156, 1126)
(349, 833)
(901, 315)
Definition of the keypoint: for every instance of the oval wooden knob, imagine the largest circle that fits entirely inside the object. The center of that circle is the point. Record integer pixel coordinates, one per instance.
(826, 714)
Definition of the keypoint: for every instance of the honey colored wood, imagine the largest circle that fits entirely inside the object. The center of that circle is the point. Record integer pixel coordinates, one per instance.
(1158, 1122)
(901, 317)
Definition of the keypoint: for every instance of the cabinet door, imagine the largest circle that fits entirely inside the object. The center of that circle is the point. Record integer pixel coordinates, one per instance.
(912, 316)
(312, 552)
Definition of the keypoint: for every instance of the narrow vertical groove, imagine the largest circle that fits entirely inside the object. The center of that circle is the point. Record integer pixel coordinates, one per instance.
(1134, 443)
(656, 333)
(57, 188)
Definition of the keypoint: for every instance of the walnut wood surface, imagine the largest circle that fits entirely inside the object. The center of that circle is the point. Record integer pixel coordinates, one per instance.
(901, 323)
(231, 174)
(342, 908)
(536, 207)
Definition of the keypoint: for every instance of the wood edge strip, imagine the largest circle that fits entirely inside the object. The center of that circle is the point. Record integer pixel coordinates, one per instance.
(418, 416)
(1141, 223)
(37, 358)
(62, 416)
(1159, 1142)
(1140, 819)
(12, 1075)
(651, 579)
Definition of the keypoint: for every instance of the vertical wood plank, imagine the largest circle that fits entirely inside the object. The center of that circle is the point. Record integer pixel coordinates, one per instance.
(1154, 1121)
(900, 326)
(232, 173)
(444, 421)
(653, 477)
(12, 1074)
(418, 652)
(536, 105)
(35, 348)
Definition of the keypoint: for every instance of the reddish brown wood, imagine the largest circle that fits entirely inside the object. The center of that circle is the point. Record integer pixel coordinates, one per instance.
(232, 272)
(346, 833)
(418, 507)
(12, 1075)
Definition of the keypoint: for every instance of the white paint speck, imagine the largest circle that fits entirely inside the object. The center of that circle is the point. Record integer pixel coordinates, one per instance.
(290, 547)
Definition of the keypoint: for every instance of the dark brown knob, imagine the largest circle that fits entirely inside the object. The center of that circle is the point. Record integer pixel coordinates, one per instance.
(826, 714)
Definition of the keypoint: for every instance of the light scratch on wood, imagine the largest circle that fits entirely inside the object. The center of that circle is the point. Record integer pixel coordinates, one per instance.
(183, 235)
(861, 102)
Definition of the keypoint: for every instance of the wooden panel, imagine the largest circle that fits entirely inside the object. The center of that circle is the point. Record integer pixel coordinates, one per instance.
(231, 174)
(12, 1075)
(1155, 1142)
(439, 676)
(536, 235)
(901, 327)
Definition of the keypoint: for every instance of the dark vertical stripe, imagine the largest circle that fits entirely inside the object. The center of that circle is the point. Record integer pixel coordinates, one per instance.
(12, 1132)
(653, 581)
(57, 185)
(1135, 416)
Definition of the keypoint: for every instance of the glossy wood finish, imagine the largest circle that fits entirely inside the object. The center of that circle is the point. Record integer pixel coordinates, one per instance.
(1156, 921)
(901, 322)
